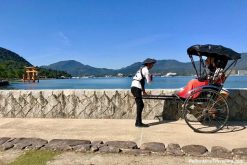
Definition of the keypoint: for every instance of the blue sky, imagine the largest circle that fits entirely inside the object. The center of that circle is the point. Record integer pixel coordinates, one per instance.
(116, 33)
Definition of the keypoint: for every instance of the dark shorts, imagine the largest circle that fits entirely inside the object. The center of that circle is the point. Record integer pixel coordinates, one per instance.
(137, 92)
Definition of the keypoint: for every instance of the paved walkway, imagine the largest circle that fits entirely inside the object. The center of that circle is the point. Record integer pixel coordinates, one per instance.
(72, 158)
(122, 129)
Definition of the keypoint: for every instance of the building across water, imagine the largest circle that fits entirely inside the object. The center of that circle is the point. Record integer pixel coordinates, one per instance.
(242, 72)
(31, 74)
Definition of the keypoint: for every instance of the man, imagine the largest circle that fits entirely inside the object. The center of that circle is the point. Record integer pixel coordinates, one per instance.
(138, 87)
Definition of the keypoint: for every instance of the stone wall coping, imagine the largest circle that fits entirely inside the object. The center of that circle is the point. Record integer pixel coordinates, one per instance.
(103, 90)
(118, 89)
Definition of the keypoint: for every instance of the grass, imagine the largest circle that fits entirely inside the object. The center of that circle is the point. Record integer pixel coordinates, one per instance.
(39, 157)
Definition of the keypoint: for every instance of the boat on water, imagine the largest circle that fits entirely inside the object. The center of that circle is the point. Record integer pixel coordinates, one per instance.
(4, 82)
(170, 74)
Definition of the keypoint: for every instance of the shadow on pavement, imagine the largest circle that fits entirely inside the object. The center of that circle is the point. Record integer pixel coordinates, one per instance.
(234, 126)
(160, 122)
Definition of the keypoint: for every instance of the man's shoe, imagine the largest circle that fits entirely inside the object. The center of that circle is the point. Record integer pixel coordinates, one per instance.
(141, 125)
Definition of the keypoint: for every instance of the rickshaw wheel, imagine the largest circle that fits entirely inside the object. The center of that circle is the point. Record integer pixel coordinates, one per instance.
(206, 111)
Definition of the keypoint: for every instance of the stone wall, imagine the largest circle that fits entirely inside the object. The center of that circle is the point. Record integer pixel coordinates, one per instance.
(115, 104)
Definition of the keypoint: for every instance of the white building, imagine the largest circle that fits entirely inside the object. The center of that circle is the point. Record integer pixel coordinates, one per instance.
(242, 72)
(120, 75)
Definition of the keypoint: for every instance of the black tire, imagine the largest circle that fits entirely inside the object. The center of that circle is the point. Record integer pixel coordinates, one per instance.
(206, 111)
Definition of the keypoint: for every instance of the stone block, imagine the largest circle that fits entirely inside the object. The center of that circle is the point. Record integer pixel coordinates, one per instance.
(122, 144)
(239, 151)
(109, 149)
(3, 140)
(174, 149)
(30, 143)
(9, 143)
(220, 152)
(194, 150)
(153, 146)
(82, 148)
(6, 146)
(96, 143)
(95, 148)
(65, 144)
(137, 152)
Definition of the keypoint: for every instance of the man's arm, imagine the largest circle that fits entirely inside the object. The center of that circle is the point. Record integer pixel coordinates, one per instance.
(147, 75)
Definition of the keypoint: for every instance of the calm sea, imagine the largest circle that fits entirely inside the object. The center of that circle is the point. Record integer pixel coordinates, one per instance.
(119, 83)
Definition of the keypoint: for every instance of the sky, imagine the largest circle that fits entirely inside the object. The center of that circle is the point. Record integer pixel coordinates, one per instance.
(116, 33)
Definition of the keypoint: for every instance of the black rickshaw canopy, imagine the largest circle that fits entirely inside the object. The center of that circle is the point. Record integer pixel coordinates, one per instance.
(213, 50)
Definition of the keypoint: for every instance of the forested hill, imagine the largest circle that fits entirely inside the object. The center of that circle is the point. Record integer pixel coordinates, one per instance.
(76, 68)
(9, 56)
(181, 68)
(162, 67)
(12, 66)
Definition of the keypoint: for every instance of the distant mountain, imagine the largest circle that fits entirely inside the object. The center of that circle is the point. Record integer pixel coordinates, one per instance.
(162, 67)
(12, 66)
(242, 63)
(78, 69)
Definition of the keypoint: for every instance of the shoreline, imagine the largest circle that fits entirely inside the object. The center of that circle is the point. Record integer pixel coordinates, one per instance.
(119, 83)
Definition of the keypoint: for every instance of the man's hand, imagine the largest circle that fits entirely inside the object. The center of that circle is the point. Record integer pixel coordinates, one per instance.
(145, 93)
(149, 78)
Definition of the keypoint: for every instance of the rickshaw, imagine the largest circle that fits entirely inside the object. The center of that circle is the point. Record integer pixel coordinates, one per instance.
(205, 109)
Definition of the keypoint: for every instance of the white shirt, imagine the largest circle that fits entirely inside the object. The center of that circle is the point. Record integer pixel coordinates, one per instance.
(138, 77)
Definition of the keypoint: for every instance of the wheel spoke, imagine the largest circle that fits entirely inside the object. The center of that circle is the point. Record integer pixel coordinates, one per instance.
(210, 110)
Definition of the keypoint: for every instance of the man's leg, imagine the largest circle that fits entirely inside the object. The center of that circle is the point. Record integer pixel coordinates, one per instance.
(139, 106)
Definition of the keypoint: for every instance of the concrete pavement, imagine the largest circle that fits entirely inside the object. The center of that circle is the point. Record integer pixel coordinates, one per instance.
(122, 129)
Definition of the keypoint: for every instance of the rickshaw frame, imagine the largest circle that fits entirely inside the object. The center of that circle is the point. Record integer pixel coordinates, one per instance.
(206, 101)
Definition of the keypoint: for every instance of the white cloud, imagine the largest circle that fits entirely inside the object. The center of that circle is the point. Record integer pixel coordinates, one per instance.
(64, 39)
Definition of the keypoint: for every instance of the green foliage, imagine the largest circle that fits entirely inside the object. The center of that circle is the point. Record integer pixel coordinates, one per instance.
(39, 157)
(49, 73)
(12, 67)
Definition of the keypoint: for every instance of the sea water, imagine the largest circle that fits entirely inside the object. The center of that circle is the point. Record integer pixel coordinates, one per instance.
(119, 83)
